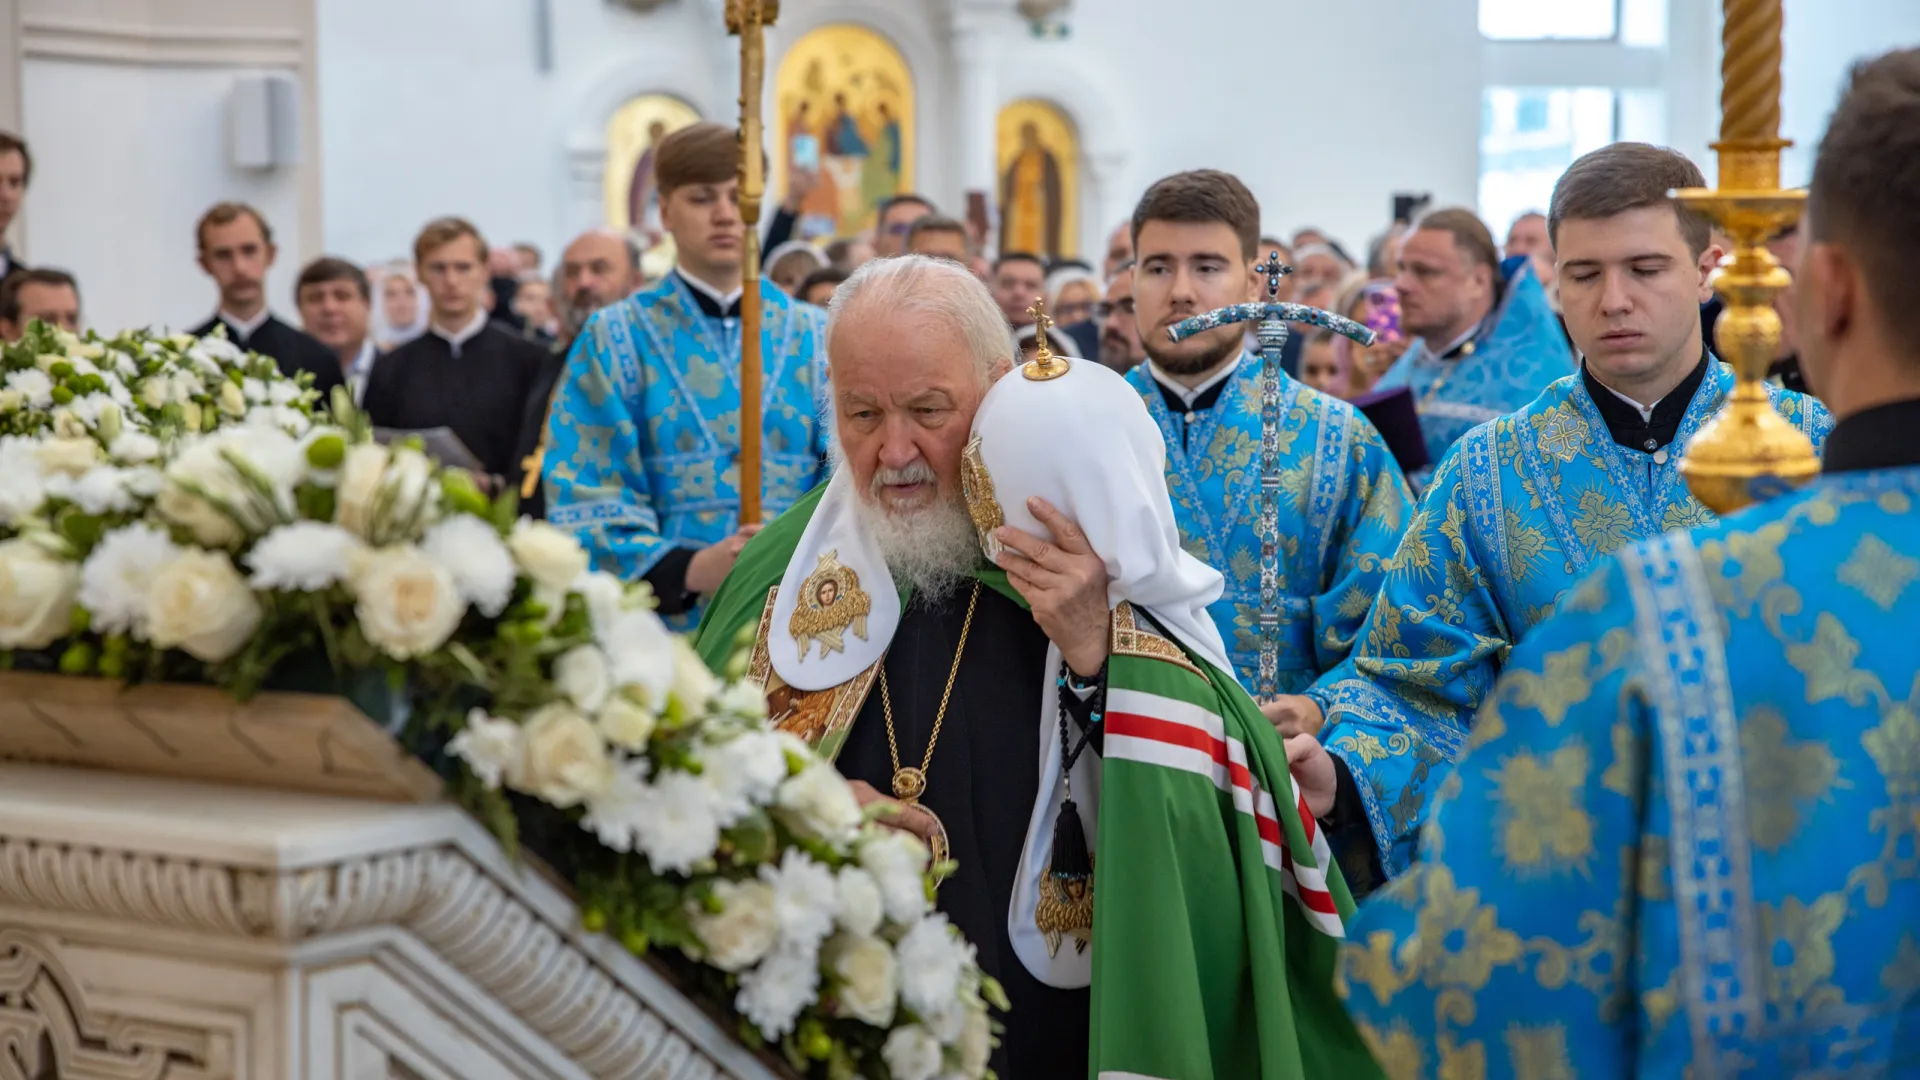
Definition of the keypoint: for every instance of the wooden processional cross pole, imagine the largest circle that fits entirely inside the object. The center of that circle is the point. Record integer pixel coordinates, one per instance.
(747, 19)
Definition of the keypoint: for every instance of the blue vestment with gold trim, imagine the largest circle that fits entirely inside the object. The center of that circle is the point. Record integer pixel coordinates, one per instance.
(1685, 840)
(1343, 504)
(1522, 509)
(644, 432)
(1518, 351)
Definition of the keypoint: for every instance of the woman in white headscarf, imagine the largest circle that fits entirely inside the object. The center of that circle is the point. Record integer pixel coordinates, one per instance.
(1216, 905)
(401, 308)
(789, 264)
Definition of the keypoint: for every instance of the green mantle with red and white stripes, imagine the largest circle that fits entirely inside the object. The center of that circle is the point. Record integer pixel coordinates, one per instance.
(1218, 907)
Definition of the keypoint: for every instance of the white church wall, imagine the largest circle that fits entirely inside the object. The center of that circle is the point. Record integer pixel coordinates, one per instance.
(126, 107)
(1823, 40)
(1273, 91)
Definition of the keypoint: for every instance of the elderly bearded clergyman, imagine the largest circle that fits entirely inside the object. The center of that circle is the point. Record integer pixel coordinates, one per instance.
(1133, 865)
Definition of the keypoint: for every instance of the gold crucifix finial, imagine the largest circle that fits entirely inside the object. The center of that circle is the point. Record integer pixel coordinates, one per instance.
(1044, 364)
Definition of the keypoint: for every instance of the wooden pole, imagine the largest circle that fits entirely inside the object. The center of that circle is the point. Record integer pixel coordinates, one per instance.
(747, 19)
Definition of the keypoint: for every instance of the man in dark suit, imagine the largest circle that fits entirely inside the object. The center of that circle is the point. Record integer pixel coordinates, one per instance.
(336, 302)
(16, 171)
(236, 251)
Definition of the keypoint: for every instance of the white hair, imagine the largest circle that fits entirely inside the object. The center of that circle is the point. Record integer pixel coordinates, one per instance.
(942, 288)
(934, 546)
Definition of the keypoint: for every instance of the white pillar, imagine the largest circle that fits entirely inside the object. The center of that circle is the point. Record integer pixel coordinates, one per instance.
(977, 34)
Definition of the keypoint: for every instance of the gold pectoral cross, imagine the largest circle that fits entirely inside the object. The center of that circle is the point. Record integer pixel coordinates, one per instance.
(531, 463)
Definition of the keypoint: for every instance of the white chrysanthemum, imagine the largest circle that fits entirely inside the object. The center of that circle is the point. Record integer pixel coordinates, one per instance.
(745, 699)
(911, 1053)
(640, 650)
(819, 805)
(306, 556)
(104, 489)
(606, 598)
(615, 813)
(135, 448)
(931, 962)
(116, 576)
(680, 828)
(287, 419)
(861, 906)
(742, 773)
(806, 897)
(22, 485)
(282, 392)
(87, 408)
(773, 994)
(898, 863)
(253, 390)
(36, 385)
(122, 363)
(481, 566)
(489, 745)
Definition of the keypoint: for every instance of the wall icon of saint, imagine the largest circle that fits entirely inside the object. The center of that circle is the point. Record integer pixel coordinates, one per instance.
(844, 103)
(1039, 158)
(632, 192)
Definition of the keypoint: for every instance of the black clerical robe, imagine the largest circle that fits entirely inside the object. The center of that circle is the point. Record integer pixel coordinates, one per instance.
(984, 777)
(292, 350)
(480, 391)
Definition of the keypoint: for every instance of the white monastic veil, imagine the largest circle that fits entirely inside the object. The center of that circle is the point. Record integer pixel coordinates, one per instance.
(1085, 443)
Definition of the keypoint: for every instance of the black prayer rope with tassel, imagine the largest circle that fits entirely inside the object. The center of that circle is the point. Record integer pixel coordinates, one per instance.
(1071, 862)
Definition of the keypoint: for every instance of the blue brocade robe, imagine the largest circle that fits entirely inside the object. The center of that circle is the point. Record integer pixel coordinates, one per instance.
(644, 431)
(1684, 842)
(1520, 511)
(1519, 349)
(1343, 505)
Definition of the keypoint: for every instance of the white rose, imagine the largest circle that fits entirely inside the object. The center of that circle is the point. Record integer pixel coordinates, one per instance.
(551, 557)
(868, 974)
(153, 392)
(36, 595)
(694, 684)
(11, 400)
(976, 1043)
(580, 674)
(198, 602)
(625, 723)
(68, 425)
(743, 931)
(566, 760)
(202, 470)
(407, 603)
(818, 804)
(861, 906)
(72, 456)
(370, 476)
(233, 400)
(640, 648)
(911, 1053)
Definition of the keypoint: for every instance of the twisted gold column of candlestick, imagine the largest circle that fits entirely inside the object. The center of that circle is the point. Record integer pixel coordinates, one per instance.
(1749, 452)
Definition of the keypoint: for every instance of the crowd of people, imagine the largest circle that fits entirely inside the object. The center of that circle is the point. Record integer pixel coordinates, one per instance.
(1489, 658)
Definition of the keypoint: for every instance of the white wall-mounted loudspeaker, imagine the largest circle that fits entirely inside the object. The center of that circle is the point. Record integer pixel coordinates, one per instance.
(264, 120)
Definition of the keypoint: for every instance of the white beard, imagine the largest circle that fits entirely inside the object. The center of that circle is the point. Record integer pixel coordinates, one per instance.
(934, 548)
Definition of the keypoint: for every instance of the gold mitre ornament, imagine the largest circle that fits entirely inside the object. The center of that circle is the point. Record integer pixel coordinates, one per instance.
(831, 603)
(1044, 364)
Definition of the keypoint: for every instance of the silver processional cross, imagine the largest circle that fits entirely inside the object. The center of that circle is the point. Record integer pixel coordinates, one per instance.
(1272, 317)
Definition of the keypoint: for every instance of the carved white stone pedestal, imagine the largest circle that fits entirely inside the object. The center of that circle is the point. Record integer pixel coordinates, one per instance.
(168, 929)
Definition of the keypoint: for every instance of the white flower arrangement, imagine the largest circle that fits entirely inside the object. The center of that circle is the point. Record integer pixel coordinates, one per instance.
(172, 509)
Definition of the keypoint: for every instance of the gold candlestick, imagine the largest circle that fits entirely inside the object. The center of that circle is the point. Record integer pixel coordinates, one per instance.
(1749, 452)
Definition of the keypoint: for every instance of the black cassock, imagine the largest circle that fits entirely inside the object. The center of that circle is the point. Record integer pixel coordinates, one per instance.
(481, 393)
(982, 783)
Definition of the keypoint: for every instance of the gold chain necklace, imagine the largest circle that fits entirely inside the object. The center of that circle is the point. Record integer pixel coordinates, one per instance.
(908, 783)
